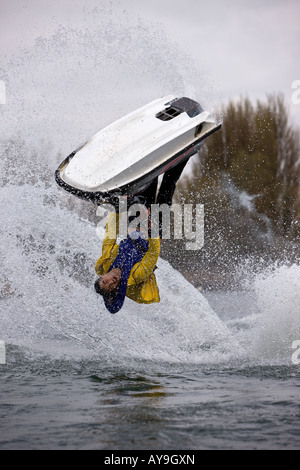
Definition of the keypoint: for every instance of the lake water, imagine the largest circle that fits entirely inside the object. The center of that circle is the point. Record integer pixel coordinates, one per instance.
(89, 404)
(197, 371)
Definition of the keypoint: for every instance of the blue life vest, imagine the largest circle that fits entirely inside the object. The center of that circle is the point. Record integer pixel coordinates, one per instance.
(131, 251)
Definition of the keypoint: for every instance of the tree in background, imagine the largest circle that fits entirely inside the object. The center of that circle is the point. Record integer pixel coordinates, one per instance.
(248, 177)
(259, 151)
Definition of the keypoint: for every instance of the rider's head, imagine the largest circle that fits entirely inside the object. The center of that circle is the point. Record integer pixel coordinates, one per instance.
(108, 282)
(113, 289)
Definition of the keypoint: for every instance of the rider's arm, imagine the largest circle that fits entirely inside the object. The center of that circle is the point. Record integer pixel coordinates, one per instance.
(111, 232)
(142, 270)
(110, 239)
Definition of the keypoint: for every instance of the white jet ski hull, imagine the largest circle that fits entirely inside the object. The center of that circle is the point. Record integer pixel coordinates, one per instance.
(124, 157)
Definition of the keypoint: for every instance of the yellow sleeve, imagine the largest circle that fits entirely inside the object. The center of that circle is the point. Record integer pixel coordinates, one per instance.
(111, 232)
(142, 270)
(110, 239)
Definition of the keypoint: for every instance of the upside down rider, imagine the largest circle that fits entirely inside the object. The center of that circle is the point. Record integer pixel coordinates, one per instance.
(127, 269)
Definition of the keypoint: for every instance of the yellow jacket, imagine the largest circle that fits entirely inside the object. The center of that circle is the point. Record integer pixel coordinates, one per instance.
(141, 286)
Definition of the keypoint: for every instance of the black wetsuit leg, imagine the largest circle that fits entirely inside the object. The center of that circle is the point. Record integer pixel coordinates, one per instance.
(165, 194)
(146, 198)
(167, 188)
(149, 194)
(168, 184)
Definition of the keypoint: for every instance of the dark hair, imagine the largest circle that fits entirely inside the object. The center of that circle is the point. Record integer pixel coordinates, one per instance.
(109, 297)
(99, 289)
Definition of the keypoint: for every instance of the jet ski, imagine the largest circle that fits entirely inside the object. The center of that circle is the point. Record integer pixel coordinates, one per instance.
(123, 158)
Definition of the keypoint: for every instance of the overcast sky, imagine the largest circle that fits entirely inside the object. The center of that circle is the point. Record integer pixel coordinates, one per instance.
(238, 47)
(250, 47)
